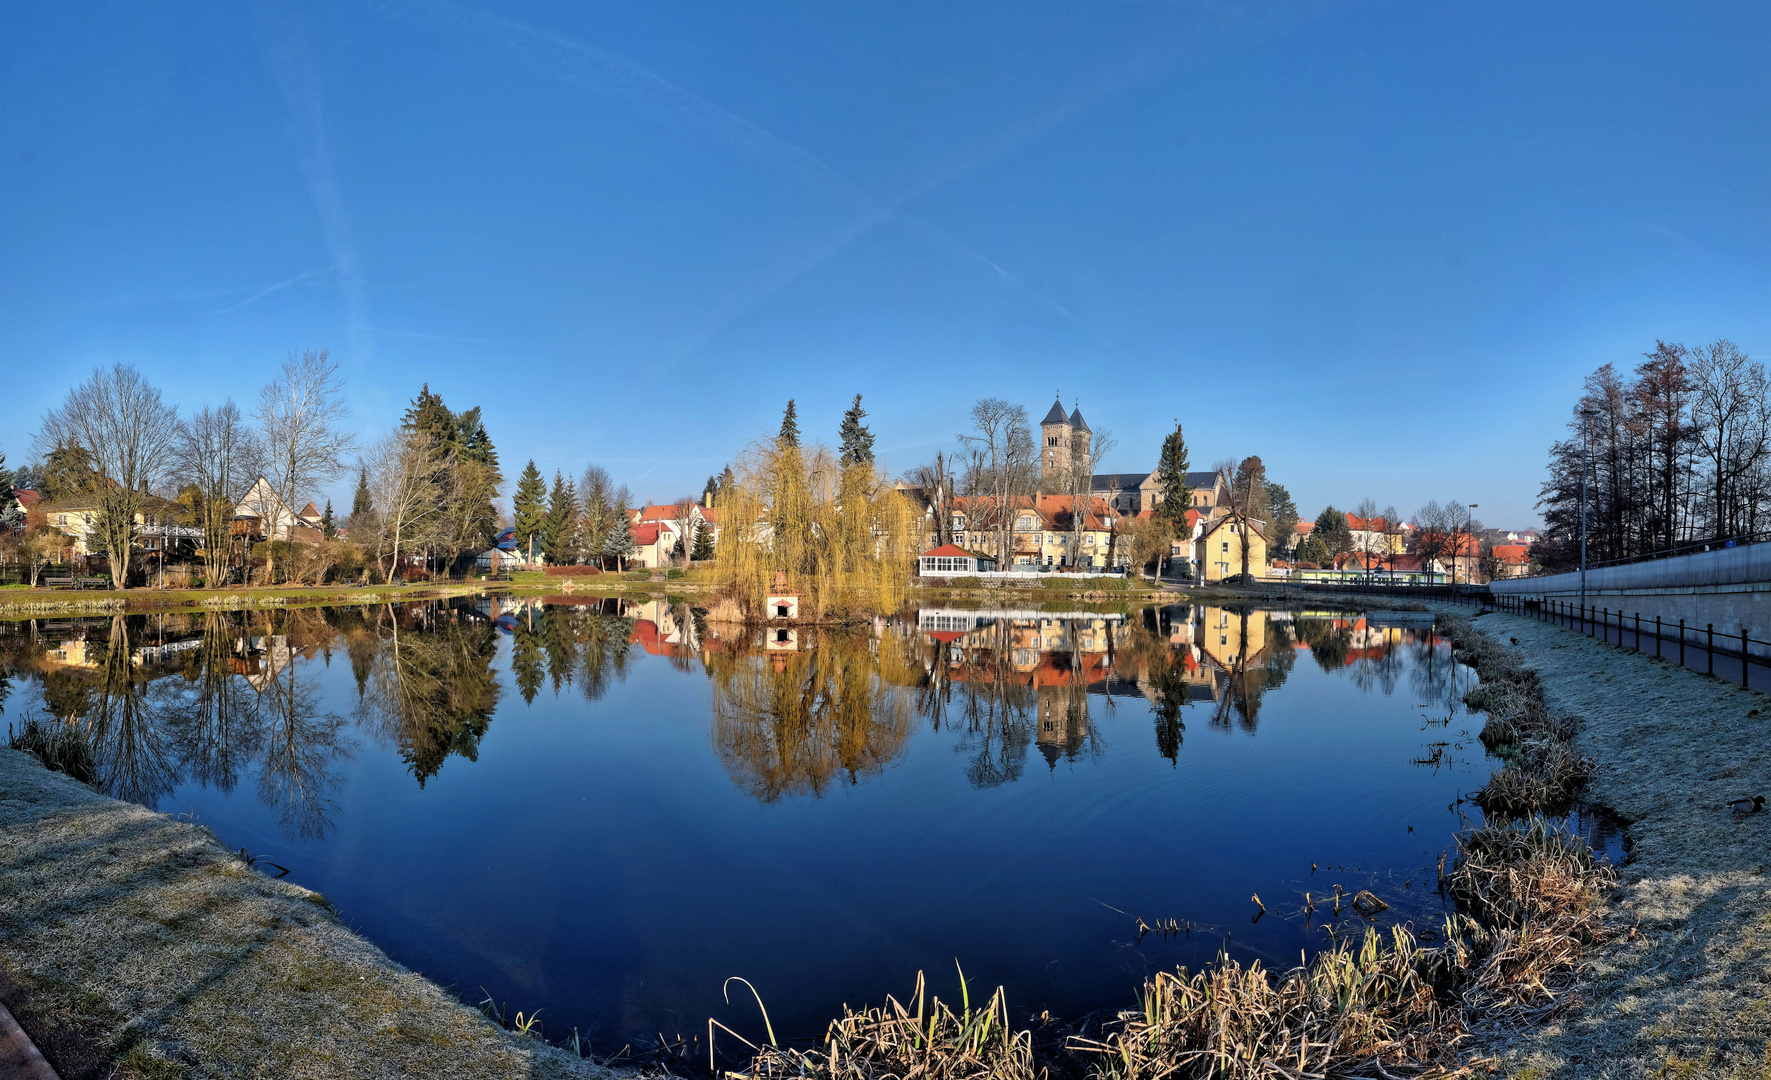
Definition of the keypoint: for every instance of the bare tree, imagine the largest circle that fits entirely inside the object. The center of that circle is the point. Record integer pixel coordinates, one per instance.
(936, 482)
(402, 469)
(130, 436)
(1372, 543)
(299, 417)
(1248, 502)
(1730, 413)
(1004, 464)
(218, 455)
(683, 513)
(1435, 532)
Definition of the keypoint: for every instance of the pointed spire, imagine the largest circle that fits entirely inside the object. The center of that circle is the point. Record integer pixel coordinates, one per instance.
(1077, 422)
(1056, 415)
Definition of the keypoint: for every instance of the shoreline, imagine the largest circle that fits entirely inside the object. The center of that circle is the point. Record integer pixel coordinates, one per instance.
(134, 946)
(1683, 985)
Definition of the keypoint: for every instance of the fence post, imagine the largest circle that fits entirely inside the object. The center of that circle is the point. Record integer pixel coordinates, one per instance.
(1681, 642)
(1638, 631)
(1657, 637)
(1712, 647)
(1743, 641)
(1605, 626)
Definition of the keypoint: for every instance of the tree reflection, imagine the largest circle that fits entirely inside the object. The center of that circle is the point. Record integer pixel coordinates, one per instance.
(431, 690)
(791, 721)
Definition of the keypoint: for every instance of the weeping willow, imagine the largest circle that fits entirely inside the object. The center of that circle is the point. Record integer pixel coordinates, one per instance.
(844, 539)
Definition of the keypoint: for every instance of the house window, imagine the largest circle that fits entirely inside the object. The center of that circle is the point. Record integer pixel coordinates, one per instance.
(1226, 547)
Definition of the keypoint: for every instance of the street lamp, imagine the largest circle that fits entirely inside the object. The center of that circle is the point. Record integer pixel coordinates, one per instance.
(1586, 453)
(1469, 528)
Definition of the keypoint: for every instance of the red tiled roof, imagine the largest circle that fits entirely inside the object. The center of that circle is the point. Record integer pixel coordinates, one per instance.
(26, 498)
(1512, 553)
(1303, 528)
(645, 534)
(948, 551)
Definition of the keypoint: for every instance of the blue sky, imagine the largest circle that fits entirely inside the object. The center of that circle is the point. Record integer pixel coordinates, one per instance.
(1378, 244)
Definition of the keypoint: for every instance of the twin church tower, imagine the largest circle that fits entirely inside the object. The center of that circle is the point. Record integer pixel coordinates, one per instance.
(1064, 436)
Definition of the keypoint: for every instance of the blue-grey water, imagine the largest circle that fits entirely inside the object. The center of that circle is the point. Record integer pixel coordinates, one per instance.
(602, 810)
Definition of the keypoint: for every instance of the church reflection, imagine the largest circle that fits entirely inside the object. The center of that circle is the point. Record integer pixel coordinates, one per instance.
(214, 697)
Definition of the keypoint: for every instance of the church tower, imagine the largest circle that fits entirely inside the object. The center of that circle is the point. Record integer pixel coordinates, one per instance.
(1054, 448)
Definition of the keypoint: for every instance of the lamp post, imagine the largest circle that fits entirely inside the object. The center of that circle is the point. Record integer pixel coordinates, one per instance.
(1586, 453)
(1470, 531)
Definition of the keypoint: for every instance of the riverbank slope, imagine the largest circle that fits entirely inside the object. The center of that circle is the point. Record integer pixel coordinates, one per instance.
(1683, 987)
(133, 945)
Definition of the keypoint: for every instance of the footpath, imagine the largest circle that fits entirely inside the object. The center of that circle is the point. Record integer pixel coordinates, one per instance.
(135, 946)
(1683, 986)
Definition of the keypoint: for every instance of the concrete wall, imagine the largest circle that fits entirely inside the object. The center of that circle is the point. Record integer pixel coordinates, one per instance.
(1730, 588)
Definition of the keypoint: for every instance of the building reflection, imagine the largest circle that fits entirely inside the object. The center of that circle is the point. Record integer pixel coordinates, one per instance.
(214, 697)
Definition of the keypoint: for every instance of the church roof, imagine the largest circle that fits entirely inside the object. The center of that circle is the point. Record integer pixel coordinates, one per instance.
(1077, 422)
(1056, 416)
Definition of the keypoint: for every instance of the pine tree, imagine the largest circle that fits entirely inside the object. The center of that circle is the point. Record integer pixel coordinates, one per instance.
(12, 516)
(556, 527)
(1172, 494)
(703, 550)
(789, 426)
(527, 662)
(362, 503)
(328, 527)
(857, 441)
(529, 508)
(1333, 532)
(618, 543)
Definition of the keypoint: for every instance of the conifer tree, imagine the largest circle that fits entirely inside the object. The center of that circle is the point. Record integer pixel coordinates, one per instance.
(703, 549)
(362, 503)
(789, 426)
(556, 529)
(1173, 496)
(857, 441)
(328, 527)
(529, 508)
(618, 543)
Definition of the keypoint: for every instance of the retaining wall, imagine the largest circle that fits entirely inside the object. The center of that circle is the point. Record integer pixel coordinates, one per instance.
(1730, 588)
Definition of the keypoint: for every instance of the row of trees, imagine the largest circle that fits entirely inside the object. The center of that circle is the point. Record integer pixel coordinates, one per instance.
(115, 443)
(1676, 452)
(583, 522)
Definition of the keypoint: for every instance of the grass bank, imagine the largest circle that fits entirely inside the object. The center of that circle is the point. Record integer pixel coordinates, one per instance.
(1682, 986)
(32, 603)
(135, 946)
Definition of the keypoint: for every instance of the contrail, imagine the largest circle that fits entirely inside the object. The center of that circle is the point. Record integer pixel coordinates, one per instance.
(299, 80)
(278, 287)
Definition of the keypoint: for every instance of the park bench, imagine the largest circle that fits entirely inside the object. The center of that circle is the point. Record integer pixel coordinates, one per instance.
(57, 582)
(95, 583)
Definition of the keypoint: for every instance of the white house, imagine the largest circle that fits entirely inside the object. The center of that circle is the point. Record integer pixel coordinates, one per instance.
(948, 560)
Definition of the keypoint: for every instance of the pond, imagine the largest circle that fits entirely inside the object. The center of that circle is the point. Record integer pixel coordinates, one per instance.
(602, 809)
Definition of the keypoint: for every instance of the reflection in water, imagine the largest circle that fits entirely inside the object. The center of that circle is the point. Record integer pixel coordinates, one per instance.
(209, 697)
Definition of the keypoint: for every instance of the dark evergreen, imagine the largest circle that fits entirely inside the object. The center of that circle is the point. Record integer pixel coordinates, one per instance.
(789, 426)
(1173, 496)
(557, 528)
(328, 527)
(529, 508)
(362, 503)
(857, 441)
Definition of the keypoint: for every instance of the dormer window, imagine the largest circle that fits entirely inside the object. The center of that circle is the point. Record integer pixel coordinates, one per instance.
(1024, 523)
(958, 522)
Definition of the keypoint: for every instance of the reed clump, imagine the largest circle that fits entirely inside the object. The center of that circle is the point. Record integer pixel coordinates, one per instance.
(1541, 772)
(1527, 900)
(925, 1037)
(61, 747)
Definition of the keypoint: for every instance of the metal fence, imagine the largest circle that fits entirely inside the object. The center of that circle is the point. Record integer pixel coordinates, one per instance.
(1704, 649)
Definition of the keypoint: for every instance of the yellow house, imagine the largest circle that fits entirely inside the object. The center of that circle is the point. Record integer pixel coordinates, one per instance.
(1217, 554)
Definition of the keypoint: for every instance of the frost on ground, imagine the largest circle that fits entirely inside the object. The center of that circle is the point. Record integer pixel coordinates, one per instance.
(1683, 987)
(133, 945)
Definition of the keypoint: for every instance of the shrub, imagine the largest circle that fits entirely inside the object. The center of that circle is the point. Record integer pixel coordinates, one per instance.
(966, 583)
(673, 574)
(65, 748)
(571, 571)
(637, 575)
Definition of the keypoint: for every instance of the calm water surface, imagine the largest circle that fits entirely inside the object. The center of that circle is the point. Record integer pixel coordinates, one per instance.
(601, 810)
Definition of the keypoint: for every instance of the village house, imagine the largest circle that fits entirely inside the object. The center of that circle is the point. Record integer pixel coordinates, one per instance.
(1217, 552)
(658, 529)
(157, 527)
(262, 515)
(1509, 560)
(1040, 531)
